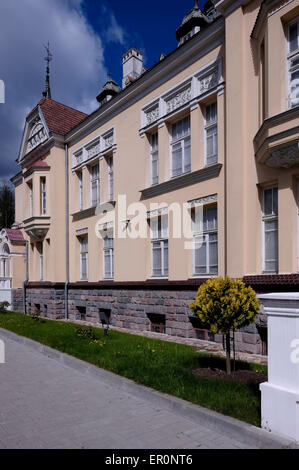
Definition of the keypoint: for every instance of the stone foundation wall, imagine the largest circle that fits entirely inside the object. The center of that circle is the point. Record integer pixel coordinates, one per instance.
(129, 309)
(17, 300)
(50, 302)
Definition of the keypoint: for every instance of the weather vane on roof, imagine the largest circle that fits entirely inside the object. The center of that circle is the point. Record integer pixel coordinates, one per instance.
(48, 58)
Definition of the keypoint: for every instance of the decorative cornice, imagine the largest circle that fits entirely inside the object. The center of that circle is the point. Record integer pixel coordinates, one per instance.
(157, 212)
(275, 120)
(202, 200)
(106, 226)
(17, 179)
(284, 157)
(187, 93)
(266, 11)
(187, 179)
(34, 169)
(90, 212)
(82, 231)
(260, 283)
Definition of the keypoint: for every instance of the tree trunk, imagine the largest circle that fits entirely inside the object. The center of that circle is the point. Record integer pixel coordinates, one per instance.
(228, 364)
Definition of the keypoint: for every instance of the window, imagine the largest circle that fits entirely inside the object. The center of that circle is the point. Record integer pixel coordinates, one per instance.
(154, 159)
(159, 246)
(157, 322)
(43, 196)
(181, 147)
(201, 331)
(110, 178)
(30, 187)
(211, 133)
(40, 248)
(205, 241)
(293, 64)
(80, 191)
(95, 185)
(81, 313)
(84, 258)
(108, 256)
(270, 230)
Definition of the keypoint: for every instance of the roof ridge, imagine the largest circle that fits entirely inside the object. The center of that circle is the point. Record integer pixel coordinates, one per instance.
(66, 105)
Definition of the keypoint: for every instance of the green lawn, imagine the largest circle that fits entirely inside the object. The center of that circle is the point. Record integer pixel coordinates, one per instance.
(161, 365)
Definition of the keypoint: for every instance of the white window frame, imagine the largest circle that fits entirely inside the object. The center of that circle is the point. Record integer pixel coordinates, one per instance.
(160, 236)
(180, 140)
(30, 185)
(41, 260)
(205, 235)
(80, 178)
(292, 55)
(273, 217)
(43, 183)
(110, 178)
(83, 252)
(108, 250)
(154, 157)
(209, 125)
(95, 180)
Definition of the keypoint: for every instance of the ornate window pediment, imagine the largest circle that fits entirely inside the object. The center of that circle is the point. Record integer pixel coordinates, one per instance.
(37, 134)
(192, 90)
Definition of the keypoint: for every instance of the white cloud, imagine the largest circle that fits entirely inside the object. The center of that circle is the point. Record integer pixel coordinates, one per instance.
(77, 72)
(115, 33)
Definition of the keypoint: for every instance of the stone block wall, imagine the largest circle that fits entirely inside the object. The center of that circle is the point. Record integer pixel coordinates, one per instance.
(17, 300)
(129, 308)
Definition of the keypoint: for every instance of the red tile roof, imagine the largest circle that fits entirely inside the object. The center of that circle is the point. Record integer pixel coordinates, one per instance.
(59, 117)
(39, 164)
(14, 235)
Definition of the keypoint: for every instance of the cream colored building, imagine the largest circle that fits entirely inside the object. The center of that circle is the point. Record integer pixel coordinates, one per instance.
(213, 125)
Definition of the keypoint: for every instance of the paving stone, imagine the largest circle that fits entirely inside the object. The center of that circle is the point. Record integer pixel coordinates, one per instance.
(46, 404)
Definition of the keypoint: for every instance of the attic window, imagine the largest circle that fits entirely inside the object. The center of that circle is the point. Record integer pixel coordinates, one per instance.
(37, 135)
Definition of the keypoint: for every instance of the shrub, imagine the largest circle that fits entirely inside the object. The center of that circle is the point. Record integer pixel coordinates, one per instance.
(36, 315)
(4, 306)
(86, 333)
(224, 305)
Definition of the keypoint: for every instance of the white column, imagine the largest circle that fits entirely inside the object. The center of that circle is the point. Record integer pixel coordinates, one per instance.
(280, 395)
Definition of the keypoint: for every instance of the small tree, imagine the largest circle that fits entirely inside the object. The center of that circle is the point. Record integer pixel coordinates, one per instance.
(224, 305)
(7, 206)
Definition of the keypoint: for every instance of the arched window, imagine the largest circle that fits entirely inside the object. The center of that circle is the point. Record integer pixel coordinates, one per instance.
(4, 261)
(5, 249)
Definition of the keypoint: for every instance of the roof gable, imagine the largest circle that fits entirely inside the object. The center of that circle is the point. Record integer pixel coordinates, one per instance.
(48, 117)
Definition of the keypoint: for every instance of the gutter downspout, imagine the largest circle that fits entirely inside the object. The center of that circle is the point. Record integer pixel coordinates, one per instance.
(27, 277)
(67, 256)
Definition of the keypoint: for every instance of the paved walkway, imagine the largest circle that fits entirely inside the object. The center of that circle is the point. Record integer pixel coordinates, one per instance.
(46, 404)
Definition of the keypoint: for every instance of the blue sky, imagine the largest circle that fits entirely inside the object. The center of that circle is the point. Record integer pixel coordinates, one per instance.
(149, 26)
(87, 39)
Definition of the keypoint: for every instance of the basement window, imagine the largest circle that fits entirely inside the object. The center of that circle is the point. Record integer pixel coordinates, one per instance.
(157, 322)
(82, 313)
(201, 330)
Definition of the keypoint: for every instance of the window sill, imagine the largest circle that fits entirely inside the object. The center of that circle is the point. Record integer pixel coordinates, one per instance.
(211, 171)
(204, 276)
(91, 211)
(158, 277)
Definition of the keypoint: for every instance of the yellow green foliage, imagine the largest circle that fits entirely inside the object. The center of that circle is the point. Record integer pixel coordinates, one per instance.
(225, 304)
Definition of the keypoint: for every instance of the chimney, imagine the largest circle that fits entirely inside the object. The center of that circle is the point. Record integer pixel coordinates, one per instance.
(132, 66)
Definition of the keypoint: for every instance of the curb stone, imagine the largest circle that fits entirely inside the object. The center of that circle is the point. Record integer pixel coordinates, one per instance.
(245, 433)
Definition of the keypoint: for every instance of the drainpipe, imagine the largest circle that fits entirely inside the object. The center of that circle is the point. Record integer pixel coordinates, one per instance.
(67, 255)
(27, 278)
